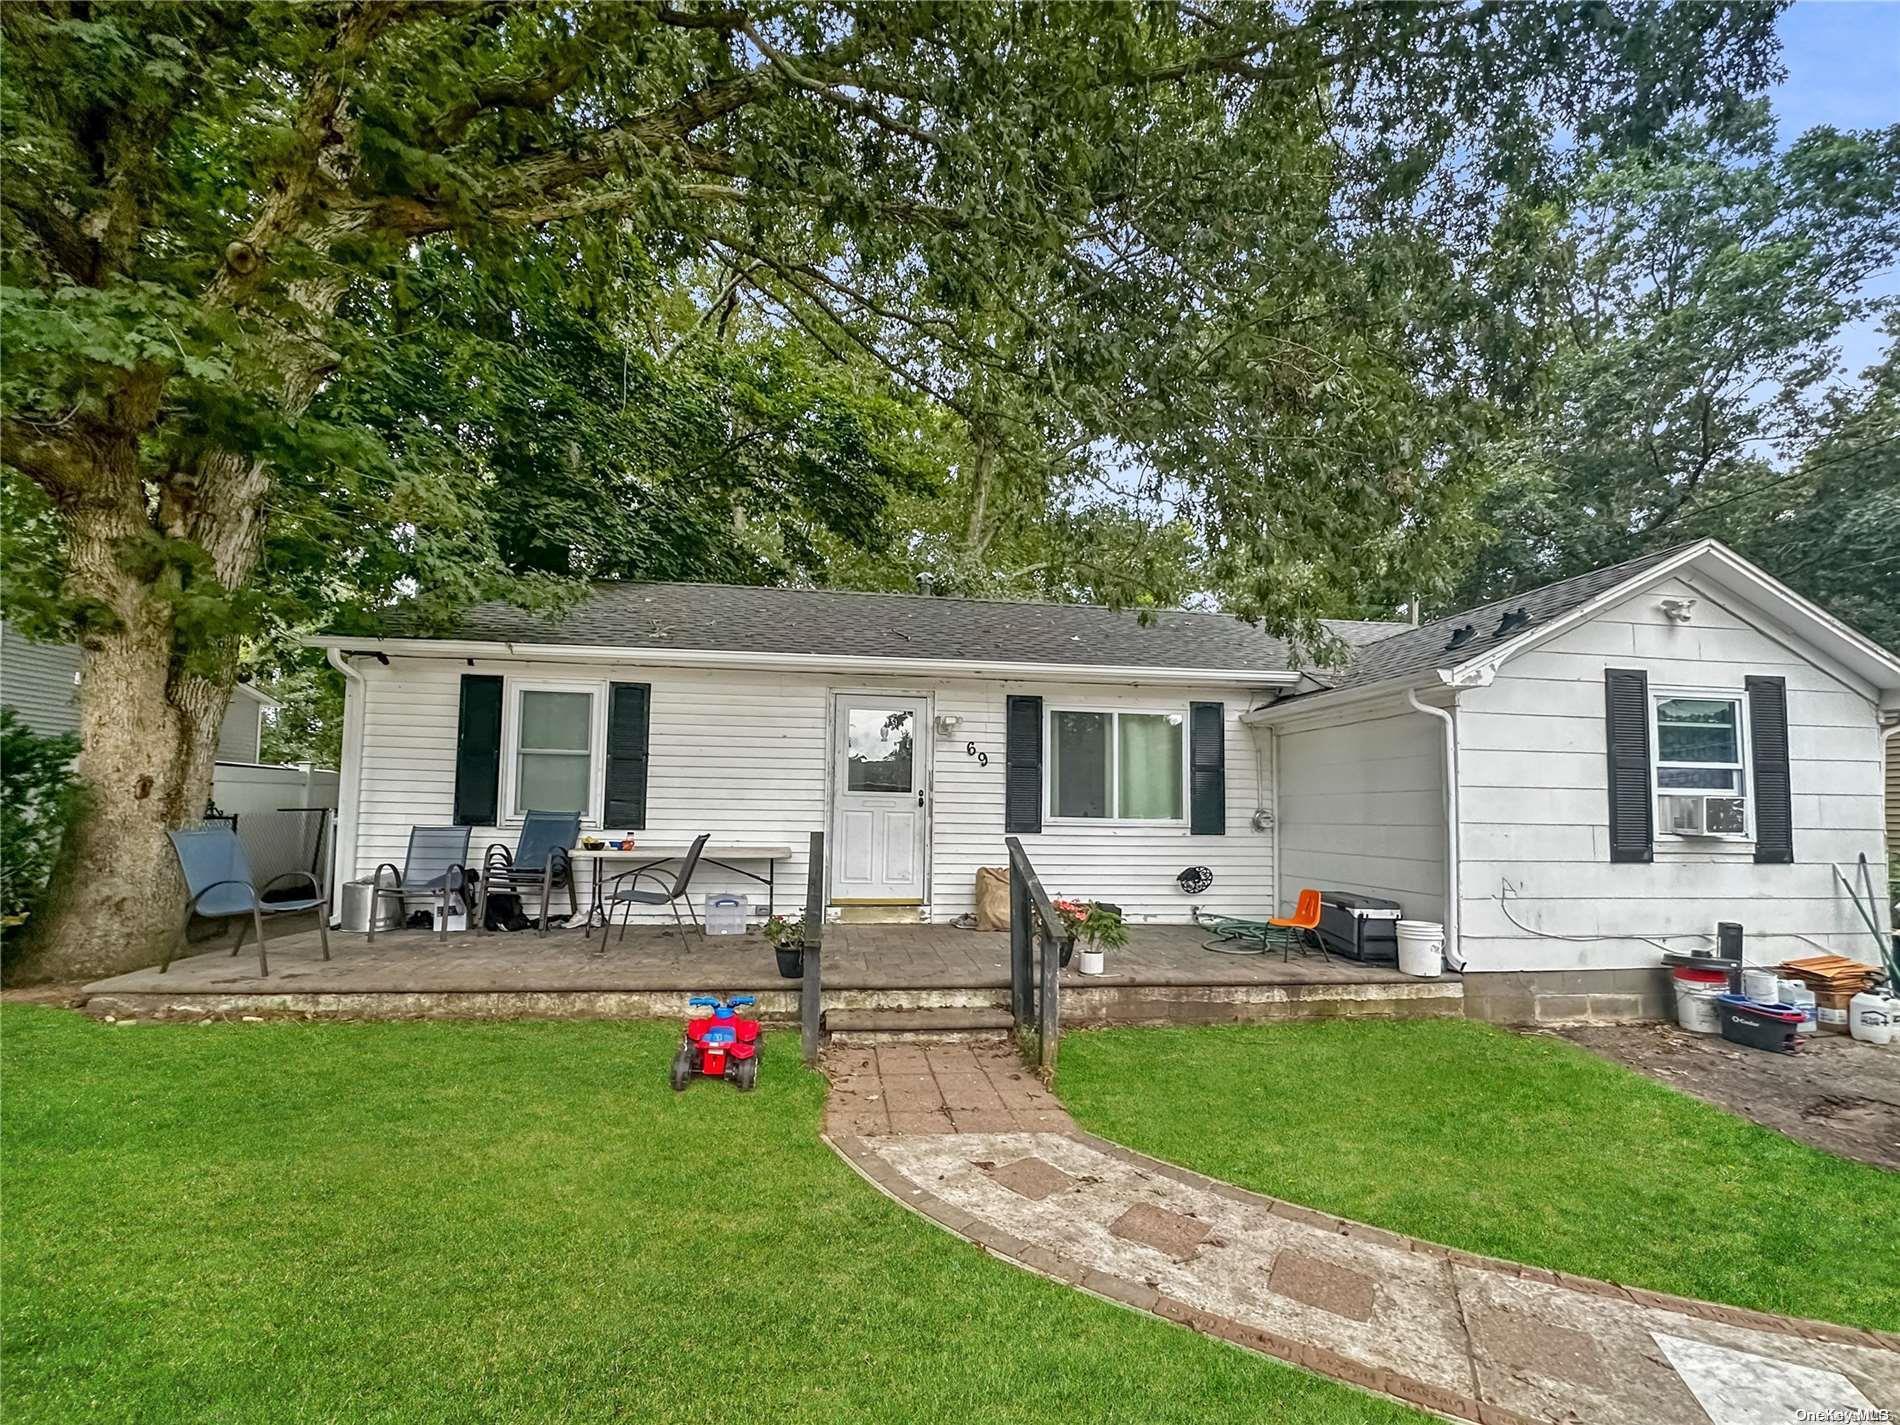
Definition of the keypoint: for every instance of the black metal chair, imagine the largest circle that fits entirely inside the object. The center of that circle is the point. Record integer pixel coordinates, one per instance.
(540, 863)
(670, 896)
(436, 866)
(218, 876)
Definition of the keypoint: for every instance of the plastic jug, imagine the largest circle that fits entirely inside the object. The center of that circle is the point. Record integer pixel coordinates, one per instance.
(1870, 1017)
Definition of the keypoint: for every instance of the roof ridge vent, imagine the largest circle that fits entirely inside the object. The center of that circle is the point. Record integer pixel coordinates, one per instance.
(1513, 620)
(1462, 635)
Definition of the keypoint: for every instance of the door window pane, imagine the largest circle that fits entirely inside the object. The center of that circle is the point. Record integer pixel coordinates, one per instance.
(1078, 757)
(879, 749)
(1150, 751)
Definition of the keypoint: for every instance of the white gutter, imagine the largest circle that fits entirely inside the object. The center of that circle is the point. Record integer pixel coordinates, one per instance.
(462, 649)
(349, 775)
(1454, 952)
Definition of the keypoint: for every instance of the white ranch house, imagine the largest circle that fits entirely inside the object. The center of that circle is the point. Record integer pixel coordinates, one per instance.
(1568, 779)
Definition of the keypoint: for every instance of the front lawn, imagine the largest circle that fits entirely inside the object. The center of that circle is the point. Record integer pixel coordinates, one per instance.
(1519, 1146)
(449, 1222)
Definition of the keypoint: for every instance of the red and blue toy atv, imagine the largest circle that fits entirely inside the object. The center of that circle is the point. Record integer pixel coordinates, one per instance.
(720, 1045)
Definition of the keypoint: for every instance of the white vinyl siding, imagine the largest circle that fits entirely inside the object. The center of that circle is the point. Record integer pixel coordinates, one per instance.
(1362, 808)
(37, 680)
(1534, 805)
(745, 756)
(239, 735)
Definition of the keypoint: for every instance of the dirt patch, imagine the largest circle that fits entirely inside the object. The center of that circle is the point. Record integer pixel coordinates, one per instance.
(1834, 1094)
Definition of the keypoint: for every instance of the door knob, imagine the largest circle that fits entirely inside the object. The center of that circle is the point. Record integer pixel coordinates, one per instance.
(920, 796)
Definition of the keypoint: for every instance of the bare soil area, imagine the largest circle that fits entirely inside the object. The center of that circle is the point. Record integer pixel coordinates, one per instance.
(1834, 1094)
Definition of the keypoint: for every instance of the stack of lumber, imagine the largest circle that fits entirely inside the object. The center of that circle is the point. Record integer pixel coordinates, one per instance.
(1835, 974)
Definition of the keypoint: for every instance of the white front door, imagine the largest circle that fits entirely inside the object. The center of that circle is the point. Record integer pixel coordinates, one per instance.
(881, 775)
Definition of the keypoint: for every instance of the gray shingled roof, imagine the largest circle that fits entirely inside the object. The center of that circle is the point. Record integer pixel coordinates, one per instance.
(1413, 651)
(732, 618)
(743, 619)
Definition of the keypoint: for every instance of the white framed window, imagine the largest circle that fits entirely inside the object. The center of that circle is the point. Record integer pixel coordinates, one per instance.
(552, 735)
(1116, 764)
(1700, 765)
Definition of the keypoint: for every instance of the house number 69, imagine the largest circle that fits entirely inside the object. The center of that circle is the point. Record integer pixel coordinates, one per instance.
(982, 758)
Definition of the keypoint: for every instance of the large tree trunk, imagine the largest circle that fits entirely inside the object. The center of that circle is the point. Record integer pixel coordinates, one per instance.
(149, 729)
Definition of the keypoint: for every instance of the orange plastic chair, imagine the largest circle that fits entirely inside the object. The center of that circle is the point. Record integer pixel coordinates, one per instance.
(1290, 930)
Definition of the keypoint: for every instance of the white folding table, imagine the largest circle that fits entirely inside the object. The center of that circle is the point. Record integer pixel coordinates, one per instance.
(647, 856)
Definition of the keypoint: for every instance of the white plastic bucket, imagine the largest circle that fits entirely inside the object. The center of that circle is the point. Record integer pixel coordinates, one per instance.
(1696, 993)
(1695, 1007)
(1762, 986)
(1422, 948)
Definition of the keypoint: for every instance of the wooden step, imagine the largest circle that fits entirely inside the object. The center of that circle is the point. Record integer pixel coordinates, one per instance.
(858, 1026)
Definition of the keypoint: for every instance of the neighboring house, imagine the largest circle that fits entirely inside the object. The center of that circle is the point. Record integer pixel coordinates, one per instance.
(1893, 798)
(40, 682)
(1636, 755)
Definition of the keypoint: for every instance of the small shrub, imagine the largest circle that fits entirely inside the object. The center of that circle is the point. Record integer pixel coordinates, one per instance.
(38, 798)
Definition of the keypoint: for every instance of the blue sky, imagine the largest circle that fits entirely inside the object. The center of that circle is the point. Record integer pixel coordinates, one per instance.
(1843, 62)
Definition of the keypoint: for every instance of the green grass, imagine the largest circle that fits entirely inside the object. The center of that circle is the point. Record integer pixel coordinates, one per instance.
(442, 1222)
(1518, 1146)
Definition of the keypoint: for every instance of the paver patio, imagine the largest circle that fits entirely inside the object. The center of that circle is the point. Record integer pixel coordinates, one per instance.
(651, 958)
(979, 1147)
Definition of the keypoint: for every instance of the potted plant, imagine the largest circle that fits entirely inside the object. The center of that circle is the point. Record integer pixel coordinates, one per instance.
(787, 934)
(1097, 927)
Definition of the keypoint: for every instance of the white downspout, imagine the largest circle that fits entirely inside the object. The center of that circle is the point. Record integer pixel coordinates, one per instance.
(1887, 734)
(1454, 951)
(349, 776)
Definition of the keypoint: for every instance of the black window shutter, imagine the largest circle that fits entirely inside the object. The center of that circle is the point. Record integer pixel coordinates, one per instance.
(1626, 723)
(1207, 769)
(1774, 788)
(627, 719)
(1022, 788)
(478, 751)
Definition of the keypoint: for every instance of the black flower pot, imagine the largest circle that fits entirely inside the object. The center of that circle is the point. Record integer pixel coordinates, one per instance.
(1068, 950)
(791, 959)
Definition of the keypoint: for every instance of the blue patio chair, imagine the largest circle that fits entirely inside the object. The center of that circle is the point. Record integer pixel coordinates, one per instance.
(540, 863)
(218, 876)
(435, 866)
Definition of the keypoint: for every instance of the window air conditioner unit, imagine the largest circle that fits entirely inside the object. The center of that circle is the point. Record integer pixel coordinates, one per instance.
(1704, 816)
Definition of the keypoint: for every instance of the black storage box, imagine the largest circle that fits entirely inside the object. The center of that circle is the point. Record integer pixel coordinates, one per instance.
(1359, 927)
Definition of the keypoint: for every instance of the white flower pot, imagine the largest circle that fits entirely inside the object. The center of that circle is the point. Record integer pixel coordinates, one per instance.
(1089, 962)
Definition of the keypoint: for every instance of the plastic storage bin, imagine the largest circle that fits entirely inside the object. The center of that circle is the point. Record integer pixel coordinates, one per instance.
(726, 915)
(1760, 1026)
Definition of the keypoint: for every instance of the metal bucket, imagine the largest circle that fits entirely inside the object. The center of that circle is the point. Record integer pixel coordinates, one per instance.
(356, 903)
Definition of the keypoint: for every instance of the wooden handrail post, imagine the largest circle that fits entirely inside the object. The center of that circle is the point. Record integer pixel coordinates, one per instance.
(1022, 988)
(811, 988)
(1035, 955)
(1048, 1006)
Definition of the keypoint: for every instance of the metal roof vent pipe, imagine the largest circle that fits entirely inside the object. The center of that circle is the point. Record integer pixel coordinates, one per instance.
(1513, 621)
(1462, 635)
(926, 584)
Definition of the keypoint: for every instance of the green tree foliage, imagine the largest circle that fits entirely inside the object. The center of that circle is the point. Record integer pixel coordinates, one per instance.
(1263, 255)
(38, 798)
(1832, 524)
(1694, 336)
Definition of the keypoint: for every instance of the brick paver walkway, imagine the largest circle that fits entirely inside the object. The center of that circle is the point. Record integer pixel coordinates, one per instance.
(965, 1136)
